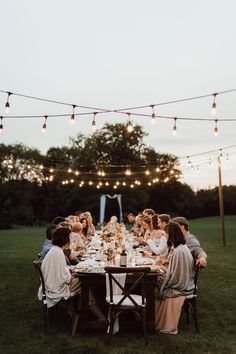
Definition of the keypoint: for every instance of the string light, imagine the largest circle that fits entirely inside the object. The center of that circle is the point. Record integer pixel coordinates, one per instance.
(213, 107)
(128, 172)
(72, 117)
(1, 126)
(7, 105)
(216, 128)
(129, 125)
(153, 117)
(44, 128)
(94, 122)
(174, 129)
(147, 172)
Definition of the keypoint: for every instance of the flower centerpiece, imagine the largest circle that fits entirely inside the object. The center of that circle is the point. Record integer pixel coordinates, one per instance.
(111, 239)
(110, 252)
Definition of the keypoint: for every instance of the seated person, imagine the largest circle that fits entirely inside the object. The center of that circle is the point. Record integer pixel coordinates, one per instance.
(57, 276)
(91, 227)
(163, 220)
(59, 282)
(192, 242)
(176, 284)
(131, 219)
(58, 219)
(77, 236)
(85, 229)
(48, 242)
(113, 220)
(148, 212)
(157, 241)
(139, 229)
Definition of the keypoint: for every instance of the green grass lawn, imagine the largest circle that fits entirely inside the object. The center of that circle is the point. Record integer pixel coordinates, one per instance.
(21, 317)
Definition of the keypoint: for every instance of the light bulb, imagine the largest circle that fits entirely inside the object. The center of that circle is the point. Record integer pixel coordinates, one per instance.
(94, 122)
(213, 107)
(174, 129)
(216, 129)
(1, 126)
(153, 117)
(44, 127)
(72, 117)
(129, 125)
(7, 105)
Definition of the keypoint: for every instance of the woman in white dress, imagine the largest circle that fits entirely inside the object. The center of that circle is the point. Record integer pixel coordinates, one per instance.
(158, 239)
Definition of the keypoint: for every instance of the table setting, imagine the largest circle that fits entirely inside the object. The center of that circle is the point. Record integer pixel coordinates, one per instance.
(105, 249)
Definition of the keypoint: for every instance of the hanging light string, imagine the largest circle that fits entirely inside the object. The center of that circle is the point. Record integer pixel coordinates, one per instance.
(135, 177)
(122, 109)
(51, 101)
(207, 152)
(178, 100)
(129, 167)
(204, 163)
(193, 164)
(124, 113)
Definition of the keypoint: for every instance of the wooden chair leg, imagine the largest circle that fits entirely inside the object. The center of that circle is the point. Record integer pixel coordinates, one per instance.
(45, 318)
(111, 320)
(186, 310)
(144, 325)
(75, 324)
(194, 314)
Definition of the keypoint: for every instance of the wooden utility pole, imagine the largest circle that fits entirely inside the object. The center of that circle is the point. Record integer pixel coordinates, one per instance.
(221, 202)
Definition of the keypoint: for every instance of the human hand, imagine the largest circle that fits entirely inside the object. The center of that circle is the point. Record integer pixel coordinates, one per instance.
(201, 262)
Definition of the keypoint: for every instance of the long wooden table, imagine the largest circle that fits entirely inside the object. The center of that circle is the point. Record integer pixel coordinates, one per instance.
(97, 283)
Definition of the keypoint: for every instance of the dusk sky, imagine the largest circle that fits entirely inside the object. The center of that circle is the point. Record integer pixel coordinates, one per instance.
(115, 54)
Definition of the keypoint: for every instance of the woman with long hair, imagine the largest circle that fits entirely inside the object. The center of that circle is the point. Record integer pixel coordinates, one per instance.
(158, 240)
(177, 283)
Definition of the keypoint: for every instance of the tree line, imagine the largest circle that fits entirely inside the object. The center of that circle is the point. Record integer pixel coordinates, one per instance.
(31, 190)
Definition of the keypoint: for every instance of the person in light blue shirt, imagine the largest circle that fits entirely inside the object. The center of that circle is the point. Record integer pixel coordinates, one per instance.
(48, 242)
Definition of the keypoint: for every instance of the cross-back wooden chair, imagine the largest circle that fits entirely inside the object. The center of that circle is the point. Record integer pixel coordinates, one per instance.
(68, 304)
(127, 301)
(190, 303)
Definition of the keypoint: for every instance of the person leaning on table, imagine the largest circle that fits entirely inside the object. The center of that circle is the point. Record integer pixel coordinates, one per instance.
(192, 242)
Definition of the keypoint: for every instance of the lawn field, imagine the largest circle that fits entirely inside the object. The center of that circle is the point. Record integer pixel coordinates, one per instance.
(21, 316)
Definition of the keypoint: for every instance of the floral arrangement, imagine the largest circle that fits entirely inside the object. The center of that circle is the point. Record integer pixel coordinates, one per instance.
(111, 232)
(109, 252)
